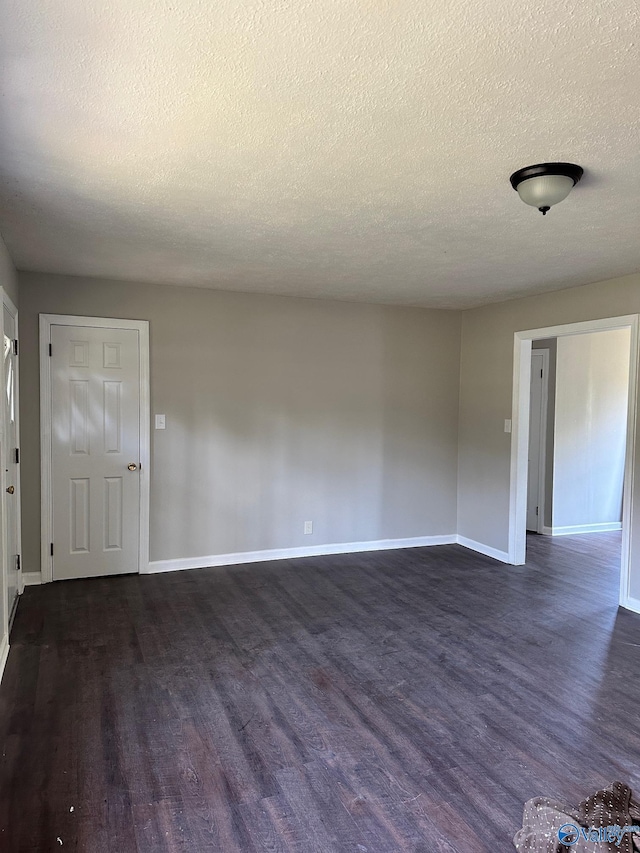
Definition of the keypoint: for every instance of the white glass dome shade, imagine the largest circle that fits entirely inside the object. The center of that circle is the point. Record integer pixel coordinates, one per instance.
(546, 184)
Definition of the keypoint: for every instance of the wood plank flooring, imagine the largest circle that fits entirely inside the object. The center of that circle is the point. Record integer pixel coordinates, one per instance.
(375, 703)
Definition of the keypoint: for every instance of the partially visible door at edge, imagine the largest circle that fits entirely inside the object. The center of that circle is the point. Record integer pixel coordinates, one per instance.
(534, 522)
(95, 408)
(11, 463)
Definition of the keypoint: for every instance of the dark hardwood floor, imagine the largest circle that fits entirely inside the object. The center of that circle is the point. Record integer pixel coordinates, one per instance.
(393, 701)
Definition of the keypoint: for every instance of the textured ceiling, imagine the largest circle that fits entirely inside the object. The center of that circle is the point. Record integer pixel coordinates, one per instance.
(342, 149)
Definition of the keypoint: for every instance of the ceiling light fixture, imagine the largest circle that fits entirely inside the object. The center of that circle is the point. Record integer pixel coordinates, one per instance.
(545, 184)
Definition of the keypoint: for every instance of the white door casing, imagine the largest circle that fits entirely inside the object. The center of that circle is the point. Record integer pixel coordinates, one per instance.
(95, 429)
(537, 442)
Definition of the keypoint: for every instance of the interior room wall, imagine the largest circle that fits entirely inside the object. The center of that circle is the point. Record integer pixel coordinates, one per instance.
(551, 345)
(485, 400)
(278, 410)
(592, 390)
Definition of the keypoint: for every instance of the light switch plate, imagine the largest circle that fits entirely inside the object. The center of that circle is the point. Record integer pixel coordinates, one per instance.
(160, 422)
(507, 425)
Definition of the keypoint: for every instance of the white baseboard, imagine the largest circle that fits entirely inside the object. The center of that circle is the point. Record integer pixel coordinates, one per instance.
(293, 553)
(487, 550)
(4, 654)
(547, 531)
(31, 578)
(632, 604)
(573, 530)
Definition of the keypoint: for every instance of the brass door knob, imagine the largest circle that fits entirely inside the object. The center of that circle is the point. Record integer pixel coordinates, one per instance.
(11, 489)
(132, 466)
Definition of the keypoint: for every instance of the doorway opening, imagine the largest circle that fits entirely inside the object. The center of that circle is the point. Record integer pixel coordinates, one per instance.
(574, 465)
(540, 442)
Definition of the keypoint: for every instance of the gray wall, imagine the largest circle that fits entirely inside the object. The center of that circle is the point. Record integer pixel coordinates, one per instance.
(279, 410)
(486, 375)
(552, 345)
(592, 389)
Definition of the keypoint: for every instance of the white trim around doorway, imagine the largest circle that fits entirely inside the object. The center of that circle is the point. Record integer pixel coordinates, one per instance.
(142, 326)
(520, 435)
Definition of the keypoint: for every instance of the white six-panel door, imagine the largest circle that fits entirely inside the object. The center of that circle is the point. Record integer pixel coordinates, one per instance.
(95, 450)
(10, 461)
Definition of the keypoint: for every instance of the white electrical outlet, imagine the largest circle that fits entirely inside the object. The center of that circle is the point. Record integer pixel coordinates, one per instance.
(160, 422)
(308, 527)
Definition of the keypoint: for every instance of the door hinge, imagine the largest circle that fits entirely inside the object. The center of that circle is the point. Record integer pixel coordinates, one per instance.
(540, 373)
(17, 455)
(52, 549)
(15, 346)
(50, 349)
(537, 510)
(18, 566)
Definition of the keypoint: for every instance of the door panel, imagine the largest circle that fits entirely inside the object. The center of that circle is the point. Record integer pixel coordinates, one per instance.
(113, 487)
(536, 428)
(95, 388)
(12, 496)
